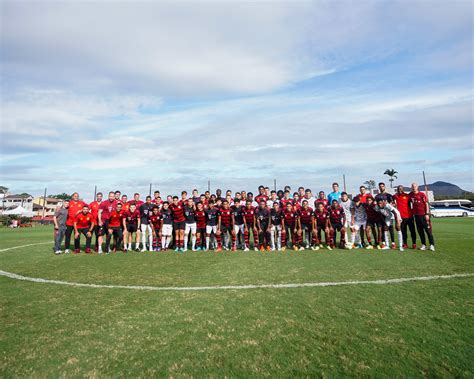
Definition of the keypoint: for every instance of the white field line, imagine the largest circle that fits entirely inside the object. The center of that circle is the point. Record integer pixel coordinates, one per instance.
(30, 244)
(228, 287)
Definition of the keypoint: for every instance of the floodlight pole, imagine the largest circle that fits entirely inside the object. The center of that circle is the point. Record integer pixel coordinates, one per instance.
(95, 192)
(149, 192)
(427, 198)
(344, 181)
(209, 185)
(275, 184)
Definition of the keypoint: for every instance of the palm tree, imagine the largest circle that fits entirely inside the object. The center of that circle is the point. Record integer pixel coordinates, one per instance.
(392, 174)
(370, 184)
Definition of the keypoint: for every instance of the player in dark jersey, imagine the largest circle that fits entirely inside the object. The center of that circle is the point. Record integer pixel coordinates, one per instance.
(190, 221)
(115, 229)
(166, 226)
(321, 199)
(384, 195)
(290, 226)
(337, 219)
(131, 223)
(305, 224)
(321, 218)
(146, 229)
(276, 219)
(374, 226)
(238, 222)
(179, 223)
(155, 222)
(261, 195)
(224, 226)
(212, 214)
(201, 220)
(262, 216)
(250, 225)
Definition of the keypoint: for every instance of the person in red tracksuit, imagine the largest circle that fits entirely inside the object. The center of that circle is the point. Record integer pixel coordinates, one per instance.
(402, 201)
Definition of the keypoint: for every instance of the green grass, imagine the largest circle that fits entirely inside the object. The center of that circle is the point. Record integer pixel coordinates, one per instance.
(413, 329)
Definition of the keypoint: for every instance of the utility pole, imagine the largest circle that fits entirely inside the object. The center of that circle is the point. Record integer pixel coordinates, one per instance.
(149, 192)
(44, 205)
(344, 181)
(275, 184)
(209, 185)
(95, 192)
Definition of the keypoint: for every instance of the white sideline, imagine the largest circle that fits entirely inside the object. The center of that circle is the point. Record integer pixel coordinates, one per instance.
(228, 287)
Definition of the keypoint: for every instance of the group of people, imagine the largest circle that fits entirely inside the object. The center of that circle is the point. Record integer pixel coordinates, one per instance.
(271, 220)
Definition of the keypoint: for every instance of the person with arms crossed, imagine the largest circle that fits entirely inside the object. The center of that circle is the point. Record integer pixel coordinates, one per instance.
(98, 231)
(402, 202)
(59, 219)
(145, 226)
(421, 212)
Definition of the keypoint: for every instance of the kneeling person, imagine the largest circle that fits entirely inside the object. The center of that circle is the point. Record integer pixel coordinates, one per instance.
(83, 224)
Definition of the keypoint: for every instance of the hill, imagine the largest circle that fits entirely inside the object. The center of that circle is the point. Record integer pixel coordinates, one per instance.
(440, 188)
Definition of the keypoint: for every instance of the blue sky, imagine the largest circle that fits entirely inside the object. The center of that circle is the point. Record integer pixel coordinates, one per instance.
(119, 95)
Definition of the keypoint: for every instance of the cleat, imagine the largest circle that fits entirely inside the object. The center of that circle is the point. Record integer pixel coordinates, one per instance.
(88, 251)
(183, 250)
(316, 248)
(393, 245)
(262, 248)
(66, 251)
(273, 249)
(432, 248)
(405, 246)
(369, 247)
(100, 252)
(177, 249)
(246, 249)
(219, 249)
(279, 249)
(321, 246)
(307, 246)
(77, 251)
(283, 248)
(143, 250)
(255, 248)
(301, 248)
(385, 248)
(379, 247)
(198, 249)
(268, 248)
(413, 246)
(329, 247)
(295, 248)
(234, 248)
(313, 248)
(402, 248)
(57, 252)
(423, 247)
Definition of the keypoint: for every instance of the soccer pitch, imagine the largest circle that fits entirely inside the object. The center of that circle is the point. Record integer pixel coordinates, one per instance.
(414, 329)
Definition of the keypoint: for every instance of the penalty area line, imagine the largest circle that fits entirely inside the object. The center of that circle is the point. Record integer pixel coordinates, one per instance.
(235, 287)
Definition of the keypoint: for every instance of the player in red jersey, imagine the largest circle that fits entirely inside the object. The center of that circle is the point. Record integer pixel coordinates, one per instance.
(201, 222)
(238, 230)
(224, 227)
(125, 204)
(98, 231)
(105, 210)
(155, 221)
(178, 223)
(321, 217)
(402, 201)
(286, 199)
(157, 199)
(305, 225)
(136, 200)
(363, 194)
(374, 223)
(290, 226)
(115, 229)
(83, 224)
(250, 225)
(75, 206)
(321, 199)
(421, 212)
(184, 198)
(131, 224)
(261, 195)
(337, 219)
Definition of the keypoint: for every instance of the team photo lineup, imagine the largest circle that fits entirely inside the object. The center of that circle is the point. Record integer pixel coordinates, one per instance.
(271, 220)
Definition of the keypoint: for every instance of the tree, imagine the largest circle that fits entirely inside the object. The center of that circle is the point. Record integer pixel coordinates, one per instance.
(61, 196)
(392, 174)
(370, 184)
(3, 189)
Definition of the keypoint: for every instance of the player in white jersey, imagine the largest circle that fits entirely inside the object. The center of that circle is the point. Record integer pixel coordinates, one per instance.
(358, 220)
(388, 211)
(273, 198)
(346, 204)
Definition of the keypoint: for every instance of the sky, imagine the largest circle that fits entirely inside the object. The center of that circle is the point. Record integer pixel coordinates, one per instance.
(119, 95)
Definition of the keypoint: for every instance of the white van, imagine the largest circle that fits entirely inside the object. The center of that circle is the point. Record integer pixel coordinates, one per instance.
(452, 208)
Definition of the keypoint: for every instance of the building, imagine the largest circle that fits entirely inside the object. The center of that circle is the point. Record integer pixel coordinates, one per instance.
(50, 207)
(11, 202)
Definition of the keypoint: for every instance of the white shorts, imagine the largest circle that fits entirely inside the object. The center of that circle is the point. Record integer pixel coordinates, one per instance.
(167, 230)
(359, 225)
(275, 228)
(190, 228)
(145, 227)
(389, 221)
(211, 229)
(239, 228)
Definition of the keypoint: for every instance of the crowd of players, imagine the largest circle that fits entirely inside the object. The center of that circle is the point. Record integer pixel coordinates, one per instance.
(272, 220)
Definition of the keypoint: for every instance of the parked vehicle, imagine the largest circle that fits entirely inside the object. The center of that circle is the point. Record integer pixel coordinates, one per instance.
(452, 208)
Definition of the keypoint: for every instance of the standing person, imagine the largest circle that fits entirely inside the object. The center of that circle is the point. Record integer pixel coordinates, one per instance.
(190, 227)
(262, 195)
(306, 225)
(75, 206)
(115, 223)
(166, 226)
(402, 201)
(117, 196)
(212, 214)
(276, 219)
(125, 204)
(224, 227)
(321, 200)
(177, 210)
(358, 220)
(321, 217)
(286, 199)
(336, 224)
(383, 194)
(388, 212)
(155, 222)
(273, 198)
(201, 220)
(145, 227)
(301, 192)
(335, 194)
(262, 216)
(308, 196)
(238, 222)
(98, 231)
(184, 198)
(131, 224)
(157, 199)
(290, 226)
(250, 225)
(105, 210)
(363, 194)
(374, 223)
(421, 212)
(83, 224)
(196, 197)
(346, 205)
(60, 217)
(136, 200)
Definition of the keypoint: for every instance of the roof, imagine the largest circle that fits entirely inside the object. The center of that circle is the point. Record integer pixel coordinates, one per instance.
(39, 218)
(18, 197)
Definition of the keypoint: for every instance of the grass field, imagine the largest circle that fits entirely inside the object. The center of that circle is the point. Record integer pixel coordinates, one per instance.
(411, 329)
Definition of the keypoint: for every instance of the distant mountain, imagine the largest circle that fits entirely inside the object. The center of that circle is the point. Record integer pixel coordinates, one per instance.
(443, 189)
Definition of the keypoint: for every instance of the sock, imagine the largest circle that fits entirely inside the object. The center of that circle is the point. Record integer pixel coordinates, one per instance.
(272, 239)
(163, 242)
(386, 234)
(208, 240)
(400, 238)
(193, 238)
